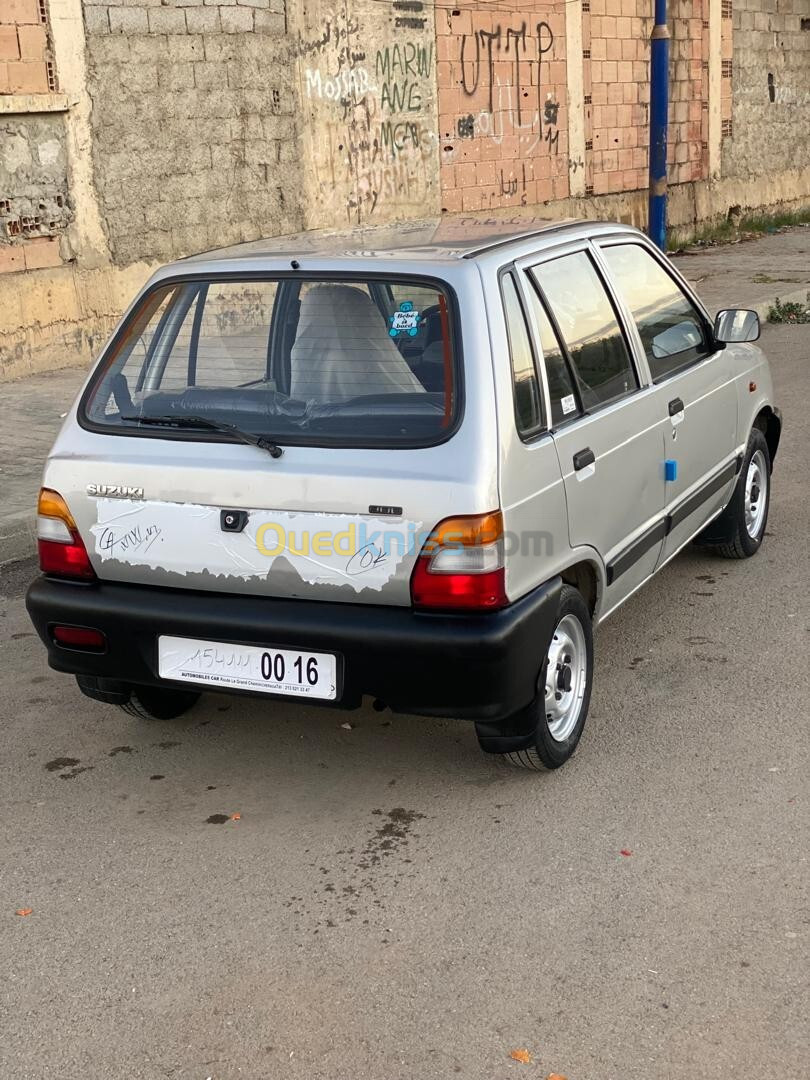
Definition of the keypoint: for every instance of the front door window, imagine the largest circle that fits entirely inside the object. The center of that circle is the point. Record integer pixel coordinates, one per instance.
(671, 328)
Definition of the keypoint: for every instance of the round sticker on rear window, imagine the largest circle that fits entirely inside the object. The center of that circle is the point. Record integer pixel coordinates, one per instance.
(404, 321)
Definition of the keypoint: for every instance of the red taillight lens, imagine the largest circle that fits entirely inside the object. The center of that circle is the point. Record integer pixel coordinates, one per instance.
(475, 592)
(66, 560)
(61, 549)
(79, 637)
(461, 566)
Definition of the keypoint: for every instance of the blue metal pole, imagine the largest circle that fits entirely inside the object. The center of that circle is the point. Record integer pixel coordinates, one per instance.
(659, 103)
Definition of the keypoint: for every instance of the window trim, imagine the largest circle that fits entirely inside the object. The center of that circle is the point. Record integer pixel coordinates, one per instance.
(586, 247)
(693, 357)
(160, 329)
(170, 325)
(119, 339)
(196, 326)
(531, 285)
(525, 435)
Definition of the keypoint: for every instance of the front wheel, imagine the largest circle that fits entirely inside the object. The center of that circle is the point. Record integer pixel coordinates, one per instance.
(739, 531)
(561, 707)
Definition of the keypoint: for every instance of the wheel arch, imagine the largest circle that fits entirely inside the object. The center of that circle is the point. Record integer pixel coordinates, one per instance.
(769, 422)
(588, 578)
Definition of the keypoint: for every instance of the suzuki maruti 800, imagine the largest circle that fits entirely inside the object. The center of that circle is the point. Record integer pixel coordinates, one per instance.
(419, 464)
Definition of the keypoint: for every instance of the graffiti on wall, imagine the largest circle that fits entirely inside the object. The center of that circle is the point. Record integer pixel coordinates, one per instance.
(488, 45)
(411, 104)
(502, 88)
(375, 142)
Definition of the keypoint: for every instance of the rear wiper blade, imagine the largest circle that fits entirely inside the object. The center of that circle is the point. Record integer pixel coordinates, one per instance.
(273, 449)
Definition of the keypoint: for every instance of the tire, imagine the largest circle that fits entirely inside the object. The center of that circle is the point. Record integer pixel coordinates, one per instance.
(159, 703)
(559, 720)
(739, 531)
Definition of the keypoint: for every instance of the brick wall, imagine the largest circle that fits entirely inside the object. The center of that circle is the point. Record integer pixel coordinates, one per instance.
(503, 128)
(766, 129)
(25, 62)
(727, 62)
(618, 72)
(502, 81)
(616, 33)
(688, 157)
(194, 136)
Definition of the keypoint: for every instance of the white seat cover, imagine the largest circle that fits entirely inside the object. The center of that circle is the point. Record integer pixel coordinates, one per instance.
(343, 349)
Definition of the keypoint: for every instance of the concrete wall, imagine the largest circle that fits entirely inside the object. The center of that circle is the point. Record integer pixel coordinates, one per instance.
(770, 117)
(157, 128)
(193, 129)
(366, 74)
(60, 296)
(238, 119)
(34, 198)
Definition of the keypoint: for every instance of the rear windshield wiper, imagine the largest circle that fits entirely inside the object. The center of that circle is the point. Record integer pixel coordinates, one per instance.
(273, 449)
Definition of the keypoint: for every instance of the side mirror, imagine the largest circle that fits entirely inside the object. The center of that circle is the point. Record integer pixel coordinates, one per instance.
(734, 325)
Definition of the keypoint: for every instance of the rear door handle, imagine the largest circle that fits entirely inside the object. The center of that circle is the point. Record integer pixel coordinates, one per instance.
(584, 458)
(675, 406)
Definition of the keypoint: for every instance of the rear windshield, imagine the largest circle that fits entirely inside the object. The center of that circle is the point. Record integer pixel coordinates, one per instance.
(298, 360)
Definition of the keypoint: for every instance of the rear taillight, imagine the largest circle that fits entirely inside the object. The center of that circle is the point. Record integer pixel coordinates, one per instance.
(461, 566)
(61, 549)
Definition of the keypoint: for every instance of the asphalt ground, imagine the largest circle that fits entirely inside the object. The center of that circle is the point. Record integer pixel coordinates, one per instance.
(391, 904)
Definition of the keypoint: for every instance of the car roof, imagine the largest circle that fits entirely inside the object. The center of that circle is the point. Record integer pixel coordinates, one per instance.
(437, 240)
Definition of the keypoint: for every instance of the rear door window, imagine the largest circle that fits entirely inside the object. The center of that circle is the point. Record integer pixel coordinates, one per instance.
(324, 361)
(590, 328)
(671, 328)
(528, 399)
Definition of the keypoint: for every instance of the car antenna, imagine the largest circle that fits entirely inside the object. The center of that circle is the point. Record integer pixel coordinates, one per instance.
(295, 264)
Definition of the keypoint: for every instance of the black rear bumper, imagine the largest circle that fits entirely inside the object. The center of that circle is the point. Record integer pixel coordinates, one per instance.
(479, 667)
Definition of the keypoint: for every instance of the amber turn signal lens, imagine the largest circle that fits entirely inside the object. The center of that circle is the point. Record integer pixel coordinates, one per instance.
(51, 504)
(465, 532)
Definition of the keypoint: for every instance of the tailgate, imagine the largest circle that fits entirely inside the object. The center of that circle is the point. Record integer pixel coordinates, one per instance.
(358, 379)
(343, 525)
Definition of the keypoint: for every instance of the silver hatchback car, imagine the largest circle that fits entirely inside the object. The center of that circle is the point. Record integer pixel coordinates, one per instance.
(419, 464)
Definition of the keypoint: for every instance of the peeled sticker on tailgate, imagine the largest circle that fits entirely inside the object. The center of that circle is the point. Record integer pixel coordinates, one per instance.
(183, 538)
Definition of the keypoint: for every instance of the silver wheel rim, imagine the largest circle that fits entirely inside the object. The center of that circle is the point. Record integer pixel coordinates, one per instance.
(566, 677)
(756, 494)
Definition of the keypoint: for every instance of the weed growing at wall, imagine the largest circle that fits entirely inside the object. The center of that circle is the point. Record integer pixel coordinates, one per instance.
(789, 312)
(731, 231)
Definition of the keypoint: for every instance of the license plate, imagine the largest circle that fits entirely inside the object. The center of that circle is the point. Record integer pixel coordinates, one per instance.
(248, 667)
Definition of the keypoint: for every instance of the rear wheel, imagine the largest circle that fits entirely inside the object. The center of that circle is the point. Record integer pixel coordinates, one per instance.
(159, 703)
(561, 707)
